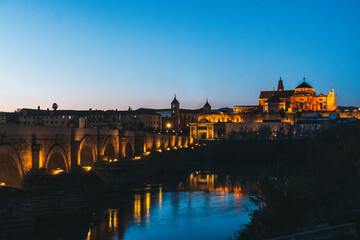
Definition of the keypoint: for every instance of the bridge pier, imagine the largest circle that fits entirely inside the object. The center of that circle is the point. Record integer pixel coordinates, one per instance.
(35, 156)
(74, 156)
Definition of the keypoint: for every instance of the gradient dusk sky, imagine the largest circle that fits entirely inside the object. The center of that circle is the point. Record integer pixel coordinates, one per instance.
(114, 54)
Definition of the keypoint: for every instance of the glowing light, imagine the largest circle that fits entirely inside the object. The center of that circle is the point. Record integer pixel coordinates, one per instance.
(137, 158)
(168, 149)
(175, 148)
(159, 150)
(115, 160)
(168, 125)
(137, 209)
(147, 153)
(2, 184)
(57, 171)
(110, 220)
(88, 237)
(86, 168)
(147, 206)
(160, 196)
(192, 147)
(113, 219)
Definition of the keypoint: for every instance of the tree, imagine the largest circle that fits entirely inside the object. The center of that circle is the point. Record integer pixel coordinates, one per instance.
(55, 106)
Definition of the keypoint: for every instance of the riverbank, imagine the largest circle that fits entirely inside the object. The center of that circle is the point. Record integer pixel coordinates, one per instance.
(303, 184)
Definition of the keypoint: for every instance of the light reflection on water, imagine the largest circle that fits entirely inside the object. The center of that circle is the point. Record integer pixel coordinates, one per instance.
(215, 212)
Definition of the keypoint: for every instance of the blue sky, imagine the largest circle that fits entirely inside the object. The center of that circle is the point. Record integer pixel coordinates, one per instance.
(114, 54)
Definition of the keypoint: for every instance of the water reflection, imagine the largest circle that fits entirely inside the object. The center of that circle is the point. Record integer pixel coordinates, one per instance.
(205, 206)
(207, 181)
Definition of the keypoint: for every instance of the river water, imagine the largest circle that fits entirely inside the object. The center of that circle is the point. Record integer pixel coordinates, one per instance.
(200, 208)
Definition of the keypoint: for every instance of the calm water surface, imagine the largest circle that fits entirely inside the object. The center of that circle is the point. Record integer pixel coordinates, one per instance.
(201, 209)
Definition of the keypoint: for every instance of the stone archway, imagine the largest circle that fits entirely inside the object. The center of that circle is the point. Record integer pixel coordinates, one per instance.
(236, 119)
(109, 152)
(200, 118)
(11, 172)
(209, 119)
(57, 159)
(227, 119)
(129, 153)
(218, 119)
(87, 152)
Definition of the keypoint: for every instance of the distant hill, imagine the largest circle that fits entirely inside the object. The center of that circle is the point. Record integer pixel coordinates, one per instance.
(224, 109)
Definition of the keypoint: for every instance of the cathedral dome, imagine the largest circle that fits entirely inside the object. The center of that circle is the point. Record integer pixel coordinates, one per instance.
(304, 85)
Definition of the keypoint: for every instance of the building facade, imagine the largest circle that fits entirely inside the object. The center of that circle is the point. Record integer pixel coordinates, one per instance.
(302, 98)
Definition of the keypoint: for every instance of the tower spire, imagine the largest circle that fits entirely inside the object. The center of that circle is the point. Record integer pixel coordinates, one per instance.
(280, 85)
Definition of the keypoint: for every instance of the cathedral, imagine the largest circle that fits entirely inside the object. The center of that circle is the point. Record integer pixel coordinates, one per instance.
(303, 98)
(278, 109)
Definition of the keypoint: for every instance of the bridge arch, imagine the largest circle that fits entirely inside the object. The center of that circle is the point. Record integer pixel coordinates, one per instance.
(236, 119)
(87, 152)
(129, 152)
(218, 119)
(11, 171)
(109, 149)
(209, 119)
(57, 158)
(227, 119)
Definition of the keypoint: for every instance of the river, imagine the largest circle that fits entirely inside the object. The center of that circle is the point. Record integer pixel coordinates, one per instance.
(202, 207)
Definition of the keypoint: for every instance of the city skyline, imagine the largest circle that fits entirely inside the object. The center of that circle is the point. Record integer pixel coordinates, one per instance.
(110, 55)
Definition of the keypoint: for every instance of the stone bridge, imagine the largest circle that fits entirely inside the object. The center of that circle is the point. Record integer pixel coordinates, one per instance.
(25, 147)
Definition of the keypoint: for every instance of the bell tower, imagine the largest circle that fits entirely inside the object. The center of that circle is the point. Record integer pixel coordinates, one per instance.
(280, 85)
(207, 107)
(175, 108)
(175, 113)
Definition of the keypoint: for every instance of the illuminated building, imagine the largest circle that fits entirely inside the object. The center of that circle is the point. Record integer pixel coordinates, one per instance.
(274, 104)
(303, 98)
(277, 111)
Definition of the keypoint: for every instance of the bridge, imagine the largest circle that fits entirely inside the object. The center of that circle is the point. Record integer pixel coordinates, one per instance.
(25, 147)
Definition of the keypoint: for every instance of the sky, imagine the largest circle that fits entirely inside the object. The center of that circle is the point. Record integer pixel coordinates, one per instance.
(115, 54)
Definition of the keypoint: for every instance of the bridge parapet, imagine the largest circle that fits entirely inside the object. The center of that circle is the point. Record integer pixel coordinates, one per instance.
(23, 147)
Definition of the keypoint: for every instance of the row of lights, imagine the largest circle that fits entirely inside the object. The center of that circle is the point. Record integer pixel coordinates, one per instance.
(167, 149)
